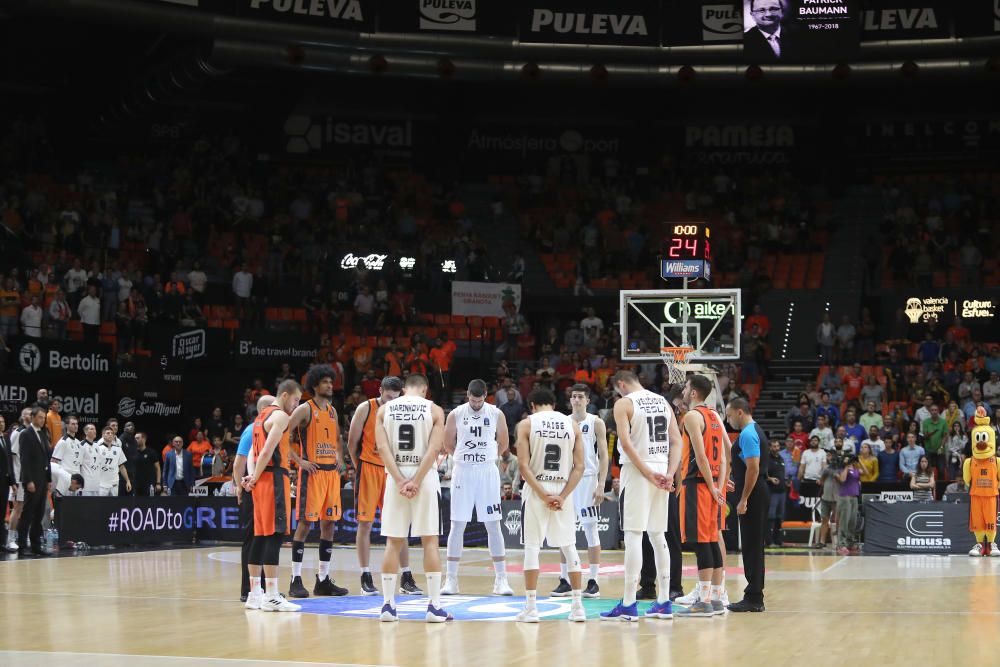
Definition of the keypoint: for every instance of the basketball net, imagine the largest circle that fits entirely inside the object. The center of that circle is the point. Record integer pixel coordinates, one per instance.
(676, 361)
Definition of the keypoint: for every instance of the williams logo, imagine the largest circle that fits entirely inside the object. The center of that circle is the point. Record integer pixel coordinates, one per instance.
(448, 15)
(513, 522)
(30, 357)
(721, 23)
(189, 345)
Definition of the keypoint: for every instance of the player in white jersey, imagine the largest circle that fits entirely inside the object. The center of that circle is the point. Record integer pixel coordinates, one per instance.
(550, 456)
(90, 461)
(649, 442)
(409, 432)
(112, 460)
(18, 491)
(475, 434)
(66, 457)
(589, 493)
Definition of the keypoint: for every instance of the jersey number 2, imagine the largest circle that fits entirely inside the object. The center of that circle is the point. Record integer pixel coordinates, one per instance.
(406, 437)
(552, 455)
(657, 427)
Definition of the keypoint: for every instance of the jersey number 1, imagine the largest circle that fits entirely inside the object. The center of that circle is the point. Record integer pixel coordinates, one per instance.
(406, 438)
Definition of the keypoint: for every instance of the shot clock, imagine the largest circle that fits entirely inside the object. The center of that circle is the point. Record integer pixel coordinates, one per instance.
(687, 252)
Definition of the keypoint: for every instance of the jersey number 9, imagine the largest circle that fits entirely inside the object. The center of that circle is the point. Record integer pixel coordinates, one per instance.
(406, 438)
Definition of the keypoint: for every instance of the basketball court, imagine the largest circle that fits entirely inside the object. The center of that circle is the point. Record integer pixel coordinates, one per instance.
(96, 610)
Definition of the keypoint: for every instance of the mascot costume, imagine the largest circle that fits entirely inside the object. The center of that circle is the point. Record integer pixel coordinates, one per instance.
(983, 479)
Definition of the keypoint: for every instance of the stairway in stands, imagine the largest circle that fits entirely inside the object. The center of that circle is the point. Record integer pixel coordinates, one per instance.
(786, 379)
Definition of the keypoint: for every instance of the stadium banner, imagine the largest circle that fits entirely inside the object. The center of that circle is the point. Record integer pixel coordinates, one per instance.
(484, 299)
(608, 525)
(917, 528)
(798, 31)
(176, 348)
(977, 18)
(687, 23)
(92, 401)
(454, 17)
(741, 143)
(907, 19)
(310, 133)
(263, 348)
(68, 360)
(618, 22)
(356, 15)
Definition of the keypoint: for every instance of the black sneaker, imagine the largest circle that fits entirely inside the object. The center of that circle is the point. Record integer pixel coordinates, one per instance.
(296, 589)
(407, 586)
(367, 585)
(562, 590)
(646, 593)
(243, 597)
(676, 594)
(743, 605)
(592, 590)
(328, 587)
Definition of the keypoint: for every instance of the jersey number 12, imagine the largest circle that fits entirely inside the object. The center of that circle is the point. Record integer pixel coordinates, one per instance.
(657, 427)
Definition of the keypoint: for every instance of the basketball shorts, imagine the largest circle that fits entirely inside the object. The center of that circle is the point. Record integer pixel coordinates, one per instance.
(19, 493)
(700, 518)
(317, 495)
(583, 500)
(418, 516)
(644, 507)
(371, 490)
(475, 487)
(539, 524)
(272, 503)
(982, 513)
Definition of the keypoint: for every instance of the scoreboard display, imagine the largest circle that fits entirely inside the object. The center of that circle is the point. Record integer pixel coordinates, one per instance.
(687, 252)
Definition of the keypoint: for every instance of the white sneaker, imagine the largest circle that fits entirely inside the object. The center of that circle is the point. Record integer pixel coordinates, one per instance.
(689, 599)
(12, 547)
(450, 586)
(527, 615)
(994, 552)
(253, 601)
(278, 602)
(976, 550)
(724, 598)
(501, 587)
(576, 613)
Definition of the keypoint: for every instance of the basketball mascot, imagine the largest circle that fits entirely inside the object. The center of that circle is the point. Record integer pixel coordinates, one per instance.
(983, 480)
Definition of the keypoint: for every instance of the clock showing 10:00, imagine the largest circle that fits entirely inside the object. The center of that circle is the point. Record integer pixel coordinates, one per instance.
(689, 240)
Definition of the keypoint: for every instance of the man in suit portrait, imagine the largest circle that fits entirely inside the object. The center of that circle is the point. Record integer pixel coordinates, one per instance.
(36, 476)
(768, 40)
(178, 473)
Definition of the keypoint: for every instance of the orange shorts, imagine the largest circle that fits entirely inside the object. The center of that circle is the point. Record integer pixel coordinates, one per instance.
(370, 491)
(982, 513)
(317, 496)
(699, 513)
(272, 503)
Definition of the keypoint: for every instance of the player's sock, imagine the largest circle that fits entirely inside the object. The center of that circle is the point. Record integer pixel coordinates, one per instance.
(633, 565)
(255, 588)
(405, 570)
(298, 551)
(716, 592)
(577, 595)
(594, 569)
(325, 554)
(271, 587)
(452, 569)
(366, 570)
(530, 597)
(500, 567)
(662, 555)
(705, 591)
(389, 589)
(564, 571)
(434, 588)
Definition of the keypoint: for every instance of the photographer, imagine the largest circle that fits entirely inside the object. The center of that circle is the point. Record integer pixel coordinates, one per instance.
(849, 477)
(830, 482)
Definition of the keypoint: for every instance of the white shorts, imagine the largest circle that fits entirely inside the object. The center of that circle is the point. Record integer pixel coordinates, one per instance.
(18, 494)
(475, 487)
(417, 516)
(540, 524)
(583, 500)
(109, 491)
(643, 507)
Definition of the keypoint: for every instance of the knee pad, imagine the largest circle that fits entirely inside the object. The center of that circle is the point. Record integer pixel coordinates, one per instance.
(272, 549)
(456, 539)
(494, 539)
(572, 558)
(531, 558)
(703, 555)
(593, 540)
(716, 556)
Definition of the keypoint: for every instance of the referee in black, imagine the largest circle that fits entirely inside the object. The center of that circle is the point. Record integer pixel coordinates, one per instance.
(749, 458)
(245, 499)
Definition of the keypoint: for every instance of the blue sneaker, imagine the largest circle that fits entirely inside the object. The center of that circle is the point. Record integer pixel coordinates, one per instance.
(388, 614)
(622, 613)
(435, 615)
(665, 610)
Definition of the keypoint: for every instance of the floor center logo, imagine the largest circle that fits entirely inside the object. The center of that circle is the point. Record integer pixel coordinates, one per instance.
(30, 357)
(462, 607)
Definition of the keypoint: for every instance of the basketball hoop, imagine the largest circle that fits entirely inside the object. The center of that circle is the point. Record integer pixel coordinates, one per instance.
(675, 359)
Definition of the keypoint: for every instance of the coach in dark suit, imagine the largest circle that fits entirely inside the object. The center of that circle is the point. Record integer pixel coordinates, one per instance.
(769, 41)
(6, 476)
(181, 484)
(33, 448)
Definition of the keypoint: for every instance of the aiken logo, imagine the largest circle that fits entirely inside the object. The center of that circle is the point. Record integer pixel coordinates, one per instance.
(721, 23)
(448, 15)
(344, 10)
(543, 20)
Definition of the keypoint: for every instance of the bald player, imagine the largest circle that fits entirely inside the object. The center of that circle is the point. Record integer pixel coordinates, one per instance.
(245, 500)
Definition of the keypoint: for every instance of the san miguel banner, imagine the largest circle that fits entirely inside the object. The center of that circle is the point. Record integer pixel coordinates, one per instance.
(356, 15)
(613, 22)
(917, 528)
(67, 360)
(977, 18)
(693, 23)
(906, 19)
(149, 393)
(484, 299)
(262, 348)
(456, 17)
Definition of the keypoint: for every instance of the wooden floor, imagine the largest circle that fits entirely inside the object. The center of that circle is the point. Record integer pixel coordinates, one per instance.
(180, 608)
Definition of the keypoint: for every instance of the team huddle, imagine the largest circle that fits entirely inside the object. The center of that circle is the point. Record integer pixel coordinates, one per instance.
(395, 441)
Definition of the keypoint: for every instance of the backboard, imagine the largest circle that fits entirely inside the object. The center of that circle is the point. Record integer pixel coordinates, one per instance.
(707, 320)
